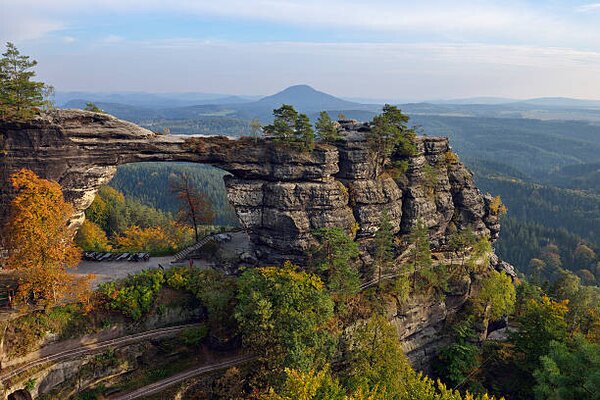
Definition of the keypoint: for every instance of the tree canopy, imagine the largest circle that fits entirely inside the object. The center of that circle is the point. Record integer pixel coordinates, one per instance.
(291, 127)
(326, 128)
(389, 134)
(20, 96)
(39, 239)
(282, 313)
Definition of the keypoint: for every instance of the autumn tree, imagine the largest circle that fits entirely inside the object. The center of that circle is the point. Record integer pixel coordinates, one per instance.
(39, 240)
(20, 97)
(195, 207)
(90, 237)
(326, 129)
(156, 240)
(584, 256)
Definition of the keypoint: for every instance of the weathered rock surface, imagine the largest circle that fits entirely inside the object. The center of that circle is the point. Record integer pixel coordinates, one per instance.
(281, 195)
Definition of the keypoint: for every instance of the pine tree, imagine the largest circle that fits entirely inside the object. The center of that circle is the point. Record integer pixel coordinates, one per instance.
(20, 97)
(304, 132)
(420, 261)
(326, 129)
(390, 133)
(290, 127)
(284, 123)
(384, 246)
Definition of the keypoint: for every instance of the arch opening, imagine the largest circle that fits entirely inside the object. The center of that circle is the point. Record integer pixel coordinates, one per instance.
(21, 394)
(148, 198)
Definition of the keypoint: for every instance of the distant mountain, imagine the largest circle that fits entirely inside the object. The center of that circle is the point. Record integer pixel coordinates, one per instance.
(562, 102)
(152, 100)
(307, 99)
(476, 100)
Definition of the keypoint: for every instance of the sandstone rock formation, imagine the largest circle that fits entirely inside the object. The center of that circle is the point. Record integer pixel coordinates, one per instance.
(280, 195)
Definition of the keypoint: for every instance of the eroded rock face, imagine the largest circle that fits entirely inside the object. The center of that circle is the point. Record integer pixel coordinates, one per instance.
(281, 195)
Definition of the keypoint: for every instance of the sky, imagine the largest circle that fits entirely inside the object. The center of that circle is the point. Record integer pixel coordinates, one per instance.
(378, 49)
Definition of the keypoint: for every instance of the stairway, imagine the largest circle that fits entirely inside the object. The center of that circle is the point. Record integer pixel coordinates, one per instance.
(185, 253)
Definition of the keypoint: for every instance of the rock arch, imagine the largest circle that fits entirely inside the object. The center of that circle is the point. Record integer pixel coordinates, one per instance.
(20, 394)
(280, 195)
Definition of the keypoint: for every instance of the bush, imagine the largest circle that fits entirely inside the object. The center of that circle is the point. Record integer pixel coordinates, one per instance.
(215, 291)
(135, 295)
(194, 336)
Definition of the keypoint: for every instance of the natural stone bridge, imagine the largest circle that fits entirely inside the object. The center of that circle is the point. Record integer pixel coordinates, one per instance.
(280, 195)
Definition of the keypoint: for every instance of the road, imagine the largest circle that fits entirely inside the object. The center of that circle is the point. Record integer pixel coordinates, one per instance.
(161, 385)
(83, 349)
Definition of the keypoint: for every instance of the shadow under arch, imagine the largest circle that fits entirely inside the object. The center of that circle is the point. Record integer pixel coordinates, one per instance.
(21, 394)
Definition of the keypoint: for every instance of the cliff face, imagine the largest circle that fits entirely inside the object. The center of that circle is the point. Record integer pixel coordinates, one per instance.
(280, 195)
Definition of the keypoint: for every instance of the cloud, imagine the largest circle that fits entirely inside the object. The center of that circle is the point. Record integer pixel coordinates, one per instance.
(586, 8)
(112, 39)
(29, 28)
(491, 21)
(417, 71)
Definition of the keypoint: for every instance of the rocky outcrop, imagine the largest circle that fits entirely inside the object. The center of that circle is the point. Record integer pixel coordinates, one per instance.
(280, 194)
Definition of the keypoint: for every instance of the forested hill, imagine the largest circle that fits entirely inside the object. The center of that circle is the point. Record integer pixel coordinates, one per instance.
(542, 156)
(149, 183)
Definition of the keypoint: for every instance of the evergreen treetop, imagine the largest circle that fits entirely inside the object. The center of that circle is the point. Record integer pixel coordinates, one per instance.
(20, 97)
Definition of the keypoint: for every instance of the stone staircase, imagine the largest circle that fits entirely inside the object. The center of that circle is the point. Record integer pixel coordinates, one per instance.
(185, 253)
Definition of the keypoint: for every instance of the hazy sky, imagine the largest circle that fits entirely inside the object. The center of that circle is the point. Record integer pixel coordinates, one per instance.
(395, 49)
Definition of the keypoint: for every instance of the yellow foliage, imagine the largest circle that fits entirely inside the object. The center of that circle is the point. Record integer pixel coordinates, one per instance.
(156, 240)
(497, 207)
(39, 241)
(451, 157)
(90, 237)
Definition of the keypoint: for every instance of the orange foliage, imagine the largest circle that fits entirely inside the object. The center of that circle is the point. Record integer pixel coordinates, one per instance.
(90, 237)
(156, 240)
(39, 241)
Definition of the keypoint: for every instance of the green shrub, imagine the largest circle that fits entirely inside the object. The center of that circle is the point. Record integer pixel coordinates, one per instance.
(194, 336)
(135, 295)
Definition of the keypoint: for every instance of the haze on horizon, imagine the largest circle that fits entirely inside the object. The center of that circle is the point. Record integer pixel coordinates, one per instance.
(356, 49)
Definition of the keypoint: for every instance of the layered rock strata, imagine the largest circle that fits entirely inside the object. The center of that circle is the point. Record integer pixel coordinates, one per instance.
(280, 194)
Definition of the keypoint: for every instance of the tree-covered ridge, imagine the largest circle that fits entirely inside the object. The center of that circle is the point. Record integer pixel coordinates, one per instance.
(148, 184)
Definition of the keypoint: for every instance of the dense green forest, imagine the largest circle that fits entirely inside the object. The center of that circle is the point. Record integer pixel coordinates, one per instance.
(543, 170)
(150, 184)
(205, 125)
(546, 171)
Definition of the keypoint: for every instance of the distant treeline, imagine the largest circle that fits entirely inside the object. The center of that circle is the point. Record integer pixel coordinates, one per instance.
(149, 183)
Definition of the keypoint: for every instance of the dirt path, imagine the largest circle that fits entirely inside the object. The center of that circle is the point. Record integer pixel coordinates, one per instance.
(161, 385)
(71, 349)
